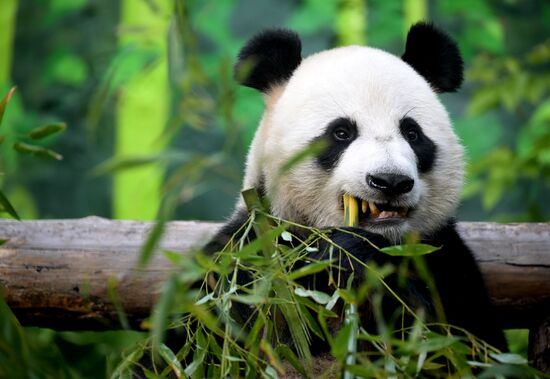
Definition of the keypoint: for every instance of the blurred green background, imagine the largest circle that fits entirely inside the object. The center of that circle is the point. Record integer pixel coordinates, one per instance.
(152, 112)
(146, 90)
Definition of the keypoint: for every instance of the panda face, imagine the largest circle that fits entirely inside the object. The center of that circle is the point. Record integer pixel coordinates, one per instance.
(388, 142)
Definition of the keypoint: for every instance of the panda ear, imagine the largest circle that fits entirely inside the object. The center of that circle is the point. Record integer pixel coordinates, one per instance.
(435, 56)
(268, 59)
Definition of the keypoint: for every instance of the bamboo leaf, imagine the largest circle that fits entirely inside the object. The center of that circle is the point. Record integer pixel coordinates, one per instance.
(409, 250)
(257, 244)
(286, 236)
(112, 285)
(289, 355)
(6, 205)
(367, 371)
(4, 102)
(309, 269)
(433, 343)
(340, 343)
(134, 161)
(198, 357)
(509, 358)
(312, 150)
(124, 368)
(148, 248)
(45, 131)
(170, 358)
(272, 356)
(161, 312)
(312, 324)
(318, 296)
(37, 150)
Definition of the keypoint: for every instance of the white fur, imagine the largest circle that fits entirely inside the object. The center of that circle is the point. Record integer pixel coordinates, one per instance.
(376, 90)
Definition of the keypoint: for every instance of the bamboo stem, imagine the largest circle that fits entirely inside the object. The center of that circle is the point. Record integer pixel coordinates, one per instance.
(351, 218)
(142, 108)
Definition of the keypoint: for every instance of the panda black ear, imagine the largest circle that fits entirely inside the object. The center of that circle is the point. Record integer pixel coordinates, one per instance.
(435, 56)
(269, 58)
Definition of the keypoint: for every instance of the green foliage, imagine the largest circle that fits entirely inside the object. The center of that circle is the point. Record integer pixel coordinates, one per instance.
(216, 341)
(4, 103)
(43, 353)
(351, 22)
(26, 148)
(521, 87)
(66, 68)
(313, 15)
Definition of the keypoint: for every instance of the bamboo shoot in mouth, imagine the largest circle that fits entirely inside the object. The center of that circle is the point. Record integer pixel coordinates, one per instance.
(351, 210)
(351, 218)
(358, 210)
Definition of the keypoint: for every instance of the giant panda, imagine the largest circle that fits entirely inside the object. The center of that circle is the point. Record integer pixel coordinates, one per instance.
(389, 143)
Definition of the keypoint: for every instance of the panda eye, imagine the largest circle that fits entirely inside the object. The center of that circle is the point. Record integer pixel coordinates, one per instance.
(411, 135)
(341, 134)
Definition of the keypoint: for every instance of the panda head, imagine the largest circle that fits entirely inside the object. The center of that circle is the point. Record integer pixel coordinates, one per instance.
(388, 140)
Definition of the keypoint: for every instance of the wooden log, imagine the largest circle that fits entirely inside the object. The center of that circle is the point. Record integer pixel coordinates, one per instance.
(55, 273)
(515, 262)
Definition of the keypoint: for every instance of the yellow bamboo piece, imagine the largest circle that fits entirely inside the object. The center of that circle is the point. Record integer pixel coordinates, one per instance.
(351, 210)
(351, 218)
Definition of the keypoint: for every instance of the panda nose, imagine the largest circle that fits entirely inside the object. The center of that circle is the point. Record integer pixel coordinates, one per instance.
(390, 184)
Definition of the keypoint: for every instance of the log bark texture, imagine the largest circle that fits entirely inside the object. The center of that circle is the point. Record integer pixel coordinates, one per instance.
(55, 273)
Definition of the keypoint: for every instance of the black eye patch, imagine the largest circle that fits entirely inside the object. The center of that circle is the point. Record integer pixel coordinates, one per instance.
(339, 134)
(423, 147)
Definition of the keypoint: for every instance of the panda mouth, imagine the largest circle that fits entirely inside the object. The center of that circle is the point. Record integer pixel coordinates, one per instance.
(370, 211)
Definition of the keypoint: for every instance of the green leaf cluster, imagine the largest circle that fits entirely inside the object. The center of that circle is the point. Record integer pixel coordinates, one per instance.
(38, 133)
(520, 87)
(273, 337)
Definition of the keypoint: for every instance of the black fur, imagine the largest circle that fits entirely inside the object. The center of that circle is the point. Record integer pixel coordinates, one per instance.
(269, 58)
(461, 286)
(424, 148)
(229, 230)
(336, 147)
(435, 56)
(454, 270)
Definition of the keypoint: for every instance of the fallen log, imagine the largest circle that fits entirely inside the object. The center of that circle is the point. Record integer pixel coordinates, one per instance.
(56, 273)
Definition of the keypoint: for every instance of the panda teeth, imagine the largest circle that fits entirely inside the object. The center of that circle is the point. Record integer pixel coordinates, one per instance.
(388, 214)
(375, 212)
(369, 209)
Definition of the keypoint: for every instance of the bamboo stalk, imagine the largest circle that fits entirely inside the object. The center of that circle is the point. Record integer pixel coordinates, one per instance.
(413, 12)
(351, 218)
(8, 12)
(142, 109)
